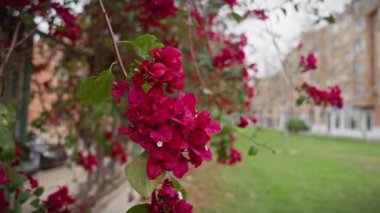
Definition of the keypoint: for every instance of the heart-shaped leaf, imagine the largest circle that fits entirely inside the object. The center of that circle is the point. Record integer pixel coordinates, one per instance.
(7, 145)
(144, 43)
(96, 89)
(252, 151)
(137, 177)
(139, 208)
(300, 100)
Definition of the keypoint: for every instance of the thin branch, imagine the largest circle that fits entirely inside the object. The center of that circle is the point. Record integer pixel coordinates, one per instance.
(283, 65)
(191, 46)
(18, 43)
(113, 38)
(257, 143)
(60, 42)
(11, 48)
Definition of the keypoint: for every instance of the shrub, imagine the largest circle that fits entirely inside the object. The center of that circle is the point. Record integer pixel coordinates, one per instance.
(296, 125)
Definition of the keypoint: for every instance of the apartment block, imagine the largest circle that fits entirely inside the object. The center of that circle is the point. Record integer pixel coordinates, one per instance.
(348, 55)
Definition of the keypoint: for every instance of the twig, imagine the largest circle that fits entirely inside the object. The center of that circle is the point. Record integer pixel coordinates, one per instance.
(113, 38)
(11, 48)
(191, 46)
(257, 143)
(60, 42)
(18, 43)
(287, 77)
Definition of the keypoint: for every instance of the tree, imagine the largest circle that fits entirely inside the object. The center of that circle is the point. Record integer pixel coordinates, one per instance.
(157, 76)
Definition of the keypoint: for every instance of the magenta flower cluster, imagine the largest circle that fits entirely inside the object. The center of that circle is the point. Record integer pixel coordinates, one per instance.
(308, 63)
(331, 96)
(167, 199)
(170, 129)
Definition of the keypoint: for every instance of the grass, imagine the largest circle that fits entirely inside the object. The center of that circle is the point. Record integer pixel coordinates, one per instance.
(316, 174)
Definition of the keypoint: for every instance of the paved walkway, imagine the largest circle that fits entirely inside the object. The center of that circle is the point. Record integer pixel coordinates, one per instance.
(118, 201)
(52, 179)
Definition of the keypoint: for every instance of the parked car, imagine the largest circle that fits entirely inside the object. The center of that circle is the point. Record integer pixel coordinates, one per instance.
(43, 156)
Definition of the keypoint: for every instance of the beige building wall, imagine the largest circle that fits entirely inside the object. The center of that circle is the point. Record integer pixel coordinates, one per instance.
(348, 55)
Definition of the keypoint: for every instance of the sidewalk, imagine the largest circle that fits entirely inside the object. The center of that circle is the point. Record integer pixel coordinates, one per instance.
(117, 201)
(54, 178)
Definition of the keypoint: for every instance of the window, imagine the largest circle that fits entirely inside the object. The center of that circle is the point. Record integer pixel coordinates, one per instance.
(335, 29)
(345, 39)
(337, 121)
(359, 46)
(368, 121)
(359, 25)
(359, 68)
(346, 120)
(361, 91)
(352, 122)
(345, 21)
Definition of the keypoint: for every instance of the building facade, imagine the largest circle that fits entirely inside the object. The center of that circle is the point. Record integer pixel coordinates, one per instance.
(348, 55)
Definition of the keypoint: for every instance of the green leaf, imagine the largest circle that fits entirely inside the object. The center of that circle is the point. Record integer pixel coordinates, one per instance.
(3, 114)
(183, 193)
(23, 196)
(96, 89)
(252, 151)
(38, 191)
(238, 18)
(139, 208)
(296, 7)
(330, 19)
(175, 183)
(144, 43)
(35, 203)
(146, 87)
(284, 11)
(7, 145)
(300, 100)
(137, 177)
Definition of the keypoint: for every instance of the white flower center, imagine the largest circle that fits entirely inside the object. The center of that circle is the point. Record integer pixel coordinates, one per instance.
(159, 144)
(180, 195)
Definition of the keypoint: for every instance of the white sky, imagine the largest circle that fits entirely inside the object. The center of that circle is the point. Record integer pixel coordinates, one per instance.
(287, 30)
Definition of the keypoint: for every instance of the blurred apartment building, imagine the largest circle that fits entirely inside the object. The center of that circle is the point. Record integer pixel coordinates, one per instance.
(348, 55)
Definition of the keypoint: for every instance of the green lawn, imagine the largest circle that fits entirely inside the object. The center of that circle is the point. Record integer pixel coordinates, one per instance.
(316, 174)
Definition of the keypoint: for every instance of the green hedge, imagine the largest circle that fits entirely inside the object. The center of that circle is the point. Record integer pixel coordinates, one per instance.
(296, 125)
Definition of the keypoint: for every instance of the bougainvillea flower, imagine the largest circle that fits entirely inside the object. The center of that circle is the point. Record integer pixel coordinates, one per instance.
(158, 9)
(235, 156)
(4, 204)
(253, 119)
(117, 151)
(232, 137)
(3, 177)
(224, 59)
(168, 200)
(260, 14)
(308, 62)
(118, 90)
(230, 2)
(229, 155)
(243, 122)
(33, 182)
(69, 29)
(59, 201)
(331, 96)
(89, 162)
(169, 128)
